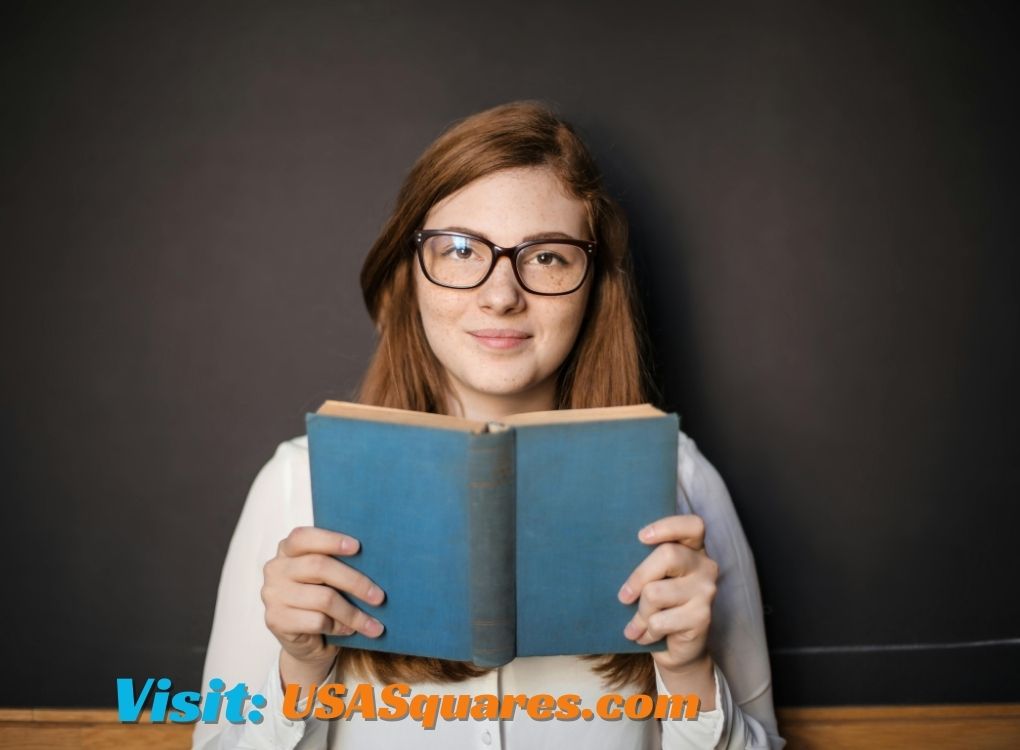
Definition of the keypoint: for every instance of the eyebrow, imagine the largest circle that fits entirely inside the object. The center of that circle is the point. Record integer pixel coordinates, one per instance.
(529, 238)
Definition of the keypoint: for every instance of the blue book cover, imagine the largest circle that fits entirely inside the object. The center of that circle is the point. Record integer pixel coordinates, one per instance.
(494, 540)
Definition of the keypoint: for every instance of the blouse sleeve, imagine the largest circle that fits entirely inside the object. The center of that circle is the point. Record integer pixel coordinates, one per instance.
(744, 716)
(241, 647)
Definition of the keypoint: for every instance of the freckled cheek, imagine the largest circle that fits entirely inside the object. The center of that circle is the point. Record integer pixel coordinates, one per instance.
(555, 342)
(561, 349)
(441, 315)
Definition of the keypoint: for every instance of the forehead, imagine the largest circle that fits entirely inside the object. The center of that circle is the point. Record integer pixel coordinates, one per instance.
(511, 203)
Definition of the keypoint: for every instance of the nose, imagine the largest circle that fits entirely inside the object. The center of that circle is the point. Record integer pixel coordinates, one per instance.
(501, 293)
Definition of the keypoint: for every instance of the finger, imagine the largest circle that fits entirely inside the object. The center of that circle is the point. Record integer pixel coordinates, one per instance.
(635, 628)
(688, 530)
(655, 597)
(668, 594)
(665, 561)
(327, 570)
(345, 616)
(292, 623)
(684, 624)
(664, 594)
(308, 539)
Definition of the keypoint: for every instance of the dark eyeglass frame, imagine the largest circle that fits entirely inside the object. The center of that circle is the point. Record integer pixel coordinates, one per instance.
(498, 252)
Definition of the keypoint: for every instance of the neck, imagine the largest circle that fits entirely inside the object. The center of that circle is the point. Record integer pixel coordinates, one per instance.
(488, 407)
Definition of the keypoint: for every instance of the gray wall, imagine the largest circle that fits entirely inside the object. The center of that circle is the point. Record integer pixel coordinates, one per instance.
(824, 203)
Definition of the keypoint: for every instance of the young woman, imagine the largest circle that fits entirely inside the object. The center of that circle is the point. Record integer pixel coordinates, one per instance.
(464, 330)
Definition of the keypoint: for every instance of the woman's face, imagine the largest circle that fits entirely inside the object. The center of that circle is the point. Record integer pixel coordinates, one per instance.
(500, 345)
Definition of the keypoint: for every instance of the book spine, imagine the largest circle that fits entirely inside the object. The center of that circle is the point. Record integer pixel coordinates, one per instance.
(493, 543)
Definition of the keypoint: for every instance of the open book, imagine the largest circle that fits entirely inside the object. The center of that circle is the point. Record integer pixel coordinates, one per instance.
(494, 540)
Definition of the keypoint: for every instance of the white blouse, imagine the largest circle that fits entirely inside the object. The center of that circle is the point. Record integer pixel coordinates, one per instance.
(242, 649)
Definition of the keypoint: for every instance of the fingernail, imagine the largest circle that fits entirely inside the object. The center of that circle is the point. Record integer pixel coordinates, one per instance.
(647, 533)
(373, 628)
(373, 594)
(625, 594)
(345, 544)
(632, 631)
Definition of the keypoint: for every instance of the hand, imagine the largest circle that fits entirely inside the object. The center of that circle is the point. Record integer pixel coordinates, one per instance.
(300, 593)
(675, 586)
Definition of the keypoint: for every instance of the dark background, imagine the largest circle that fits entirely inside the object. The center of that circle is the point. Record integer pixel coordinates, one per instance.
(824, 207)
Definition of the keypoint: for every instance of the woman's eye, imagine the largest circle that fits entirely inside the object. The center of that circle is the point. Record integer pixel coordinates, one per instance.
(549, 259)
(458, 251)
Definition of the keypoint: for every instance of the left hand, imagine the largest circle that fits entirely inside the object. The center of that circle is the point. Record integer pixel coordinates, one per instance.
(675, 586)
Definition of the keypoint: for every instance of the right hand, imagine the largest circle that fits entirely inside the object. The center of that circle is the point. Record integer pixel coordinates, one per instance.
(302, 604)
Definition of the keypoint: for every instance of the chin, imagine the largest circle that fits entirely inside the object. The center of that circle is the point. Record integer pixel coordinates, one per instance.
(515, 386)
(502, 389)
(504, 386)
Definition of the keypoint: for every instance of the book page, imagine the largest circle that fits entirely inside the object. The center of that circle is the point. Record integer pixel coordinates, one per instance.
(602, 414)
(446, 422)
(399, 416)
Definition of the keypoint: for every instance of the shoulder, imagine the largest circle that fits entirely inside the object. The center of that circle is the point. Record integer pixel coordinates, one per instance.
(698, 482)
(702, 491)
(289, 457)
(281, 493)
(293, 450)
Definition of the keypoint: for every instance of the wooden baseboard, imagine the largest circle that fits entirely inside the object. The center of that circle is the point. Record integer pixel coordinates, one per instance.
(91, 729)
(965, 727)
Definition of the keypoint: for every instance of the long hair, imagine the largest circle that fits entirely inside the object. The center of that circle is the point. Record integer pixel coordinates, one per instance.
(606, 367)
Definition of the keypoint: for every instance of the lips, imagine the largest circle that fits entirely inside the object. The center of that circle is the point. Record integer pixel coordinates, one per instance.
(500, 338)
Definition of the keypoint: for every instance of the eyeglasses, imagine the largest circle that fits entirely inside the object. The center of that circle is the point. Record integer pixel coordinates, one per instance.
(463, 261)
